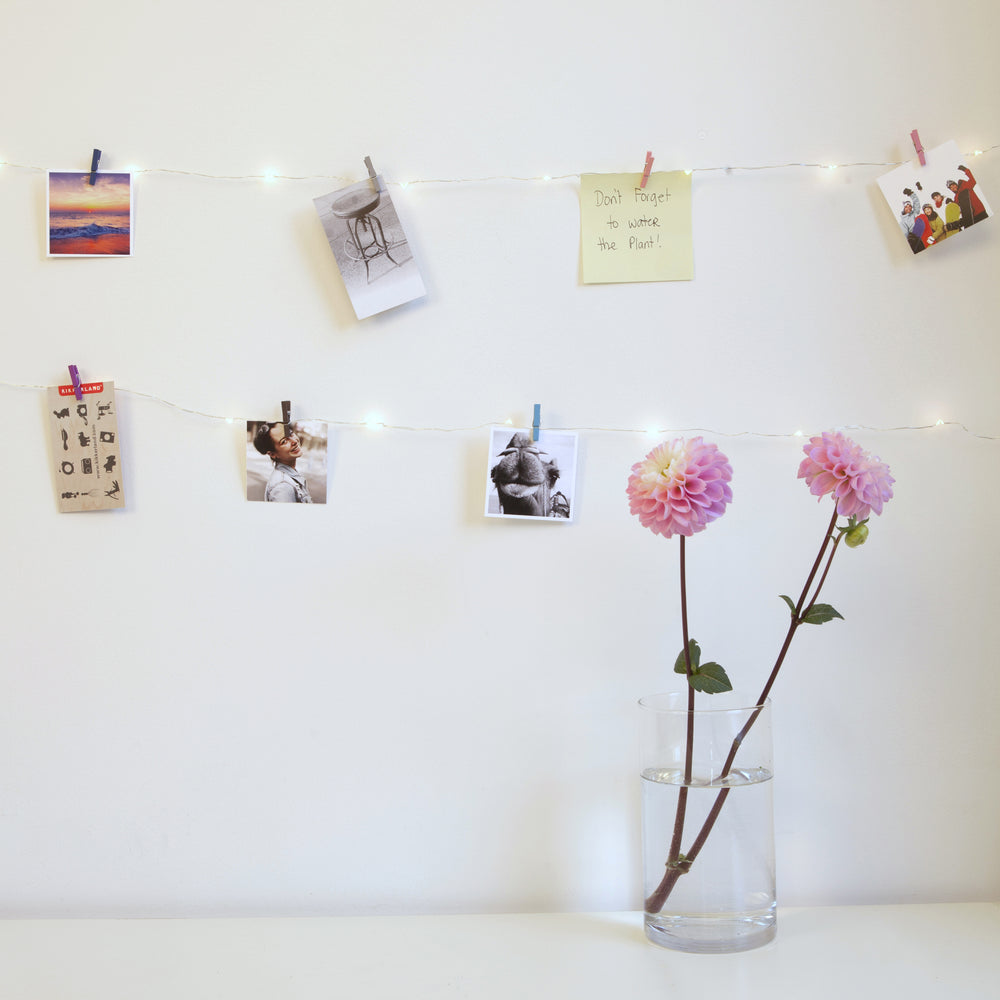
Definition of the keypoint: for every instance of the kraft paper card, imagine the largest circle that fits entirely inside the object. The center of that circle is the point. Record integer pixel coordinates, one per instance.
(86, 449)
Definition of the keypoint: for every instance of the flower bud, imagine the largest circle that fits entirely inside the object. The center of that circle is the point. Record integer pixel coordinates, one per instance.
(856, 536)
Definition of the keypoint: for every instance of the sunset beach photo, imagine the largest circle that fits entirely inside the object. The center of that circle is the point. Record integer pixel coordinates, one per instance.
(88, 220)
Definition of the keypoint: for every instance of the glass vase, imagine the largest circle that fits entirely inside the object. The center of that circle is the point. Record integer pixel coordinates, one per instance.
(707, 822)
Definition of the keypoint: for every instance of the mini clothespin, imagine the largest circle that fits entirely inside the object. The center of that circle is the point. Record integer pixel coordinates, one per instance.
(286, 413)
(74, 374)
(918, 147)
(94, 160)
(535, 421)
(647, 168)
(372, 176)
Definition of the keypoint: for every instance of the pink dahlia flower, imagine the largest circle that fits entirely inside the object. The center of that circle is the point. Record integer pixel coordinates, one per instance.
(835, 464)
(680, 487)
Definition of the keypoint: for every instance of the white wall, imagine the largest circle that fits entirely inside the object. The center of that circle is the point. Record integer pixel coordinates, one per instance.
(391, 703)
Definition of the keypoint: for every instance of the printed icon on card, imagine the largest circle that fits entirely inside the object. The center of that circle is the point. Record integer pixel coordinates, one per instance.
(86, 447)
(286, 462)
(936, 201)
(529, 478)
(370, 247)
(89, 220)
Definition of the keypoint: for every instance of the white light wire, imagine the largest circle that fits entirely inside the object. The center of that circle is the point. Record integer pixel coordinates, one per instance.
(271, 175)
(367, 423)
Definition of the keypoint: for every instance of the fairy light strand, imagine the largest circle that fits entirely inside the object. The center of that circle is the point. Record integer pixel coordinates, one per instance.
(270, 176)
(372, 424)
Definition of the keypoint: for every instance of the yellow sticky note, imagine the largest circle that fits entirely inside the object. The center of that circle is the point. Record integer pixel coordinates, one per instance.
(634, 233)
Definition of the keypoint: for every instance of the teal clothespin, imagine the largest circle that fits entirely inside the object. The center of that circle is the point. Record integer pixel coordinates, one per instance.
(535, 421)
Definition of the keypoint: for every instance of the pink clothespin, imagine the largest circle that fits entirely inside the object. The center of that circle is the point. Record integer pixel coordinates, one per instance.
(74, 374)
(647, 168)
(918, 148)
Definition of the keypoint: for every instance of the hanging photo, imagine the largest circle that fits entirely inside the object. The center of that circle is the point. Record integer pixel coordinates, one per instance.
(86, 448)
(370, 247)
(286, 463)
(89, 220)
(936, 201)
(531, 479)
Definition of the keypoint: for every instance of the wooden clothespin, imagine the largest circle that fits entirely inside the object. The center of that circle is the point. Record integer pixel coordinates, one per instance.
(372, 176)
(647, 168)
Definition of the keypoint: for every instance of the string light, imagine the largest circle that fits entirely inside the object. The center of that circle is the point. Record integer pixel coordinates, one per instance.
(374, 421)
(270, 175)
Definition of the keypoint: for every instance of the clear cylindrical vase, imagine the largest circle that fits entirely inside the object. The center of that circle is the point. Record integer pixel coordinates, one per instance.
(707, 822)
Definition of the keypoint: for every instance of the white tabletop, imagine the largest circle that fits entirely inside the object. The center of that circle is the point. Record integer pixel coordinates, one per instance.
(944, 952)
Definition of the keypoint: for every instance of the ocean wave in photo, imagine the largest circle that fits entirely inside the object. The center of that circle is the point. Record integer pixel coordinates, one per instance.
(89, 231)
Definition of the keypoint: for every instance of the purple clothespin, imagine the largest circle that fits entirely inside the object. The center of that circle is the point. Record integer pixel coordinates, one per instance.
(74, 374)
(918, 147)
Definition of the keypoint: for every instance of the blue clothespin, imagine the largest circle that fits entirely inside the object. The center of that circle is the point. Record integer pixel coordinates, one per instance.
(535, 421)
(94, 160)
(74, 374)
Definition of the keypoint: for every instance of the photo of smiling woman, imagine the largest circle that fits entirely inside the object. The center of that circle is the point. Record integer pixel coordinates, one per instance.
(286, 463)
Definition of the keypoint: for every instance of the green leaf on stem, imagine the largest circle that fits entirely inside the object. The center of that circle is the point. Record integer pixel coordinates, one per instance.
(820, 613)
(695, 651)
(789, 602)
(710, 679)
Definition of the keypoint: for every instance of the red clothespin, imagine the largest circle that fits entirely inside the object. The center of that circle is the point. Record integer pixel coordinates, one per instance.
(918, 147)
(647, 168)
(74, 374)
(94, 160)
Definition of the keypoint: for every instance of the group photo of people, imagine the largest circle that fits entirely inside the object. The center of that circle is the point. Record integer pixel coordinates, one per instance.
(935, 201)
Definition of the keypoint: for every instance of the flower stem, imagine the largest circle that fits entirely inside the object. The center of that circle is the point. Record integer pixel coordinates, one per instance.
(659, 895)
(675, 842)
